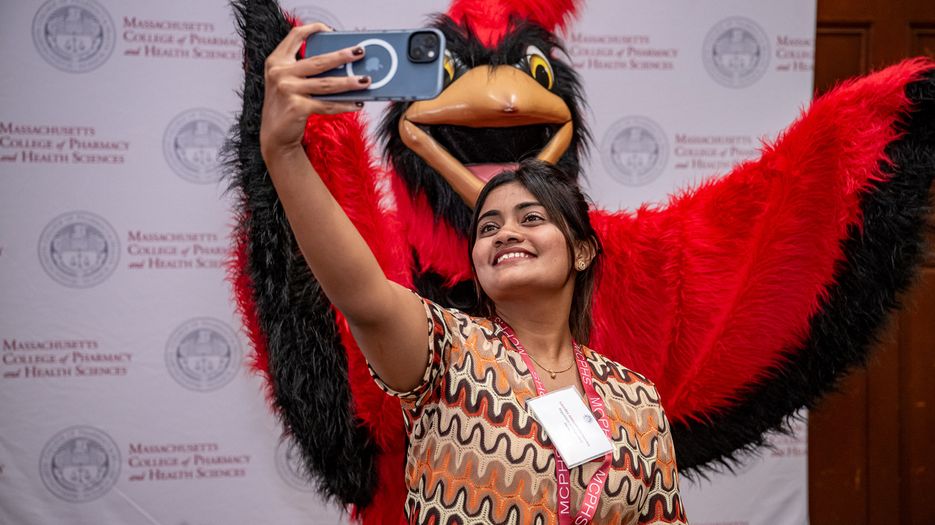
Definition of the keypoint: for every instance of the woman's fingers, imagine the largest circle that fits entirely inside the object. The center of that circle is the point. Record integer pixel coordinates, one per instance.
(304, 106)
(285, 73)
(333, 108)
(288, 100)
(314, 65)
(284, 54)
(286, 50)
(327, 85)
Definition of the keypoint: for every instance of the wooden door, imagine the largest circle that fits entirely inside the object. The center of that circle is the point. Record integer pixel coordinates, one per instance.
(872, 446)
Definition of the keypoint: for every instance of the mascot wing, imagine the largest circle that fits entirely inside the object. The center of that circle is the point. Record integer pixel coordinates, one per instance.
(746, 298)
(303, 347)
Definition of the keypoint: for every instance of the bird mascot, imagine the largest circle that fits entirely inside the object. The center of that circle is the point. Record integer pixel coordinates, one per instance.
(743, 299)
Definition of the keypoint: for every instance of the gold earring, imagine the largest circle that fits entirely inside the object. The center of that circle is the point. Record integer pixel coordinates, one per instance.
(581, 265)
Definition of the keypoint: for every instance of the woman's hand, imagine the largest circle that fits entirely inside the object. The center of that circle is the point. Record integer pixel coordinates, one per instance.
(289, 93)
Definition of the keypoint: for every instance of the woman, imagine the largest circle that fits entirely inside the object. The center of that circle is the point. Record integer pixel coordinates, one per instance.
(475, 453)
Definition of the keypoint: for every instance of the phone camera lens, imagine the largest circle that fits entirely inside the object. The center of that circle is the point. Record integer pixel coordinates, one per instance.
(423, 47)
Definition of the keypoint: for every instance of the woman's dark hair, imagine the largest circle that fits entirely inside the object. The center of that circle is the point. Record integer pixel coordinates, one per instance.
(568, 208)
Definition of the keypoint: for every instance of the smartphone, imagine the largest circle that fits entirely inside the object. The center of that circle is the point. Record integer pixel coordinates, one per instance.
(403, 65)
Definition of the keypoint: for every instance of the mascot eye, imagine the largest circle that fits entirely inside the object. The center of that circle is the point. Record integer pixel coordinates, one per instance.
(453, 67)
(539, 67)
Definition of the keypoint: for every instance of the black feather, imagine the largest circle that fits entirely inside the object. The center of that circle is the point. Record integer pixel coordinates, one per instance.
(307, 363)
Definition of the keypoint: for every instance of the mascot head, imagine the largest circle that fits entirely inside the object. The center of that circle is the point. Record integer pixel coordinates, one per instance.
(508, 96)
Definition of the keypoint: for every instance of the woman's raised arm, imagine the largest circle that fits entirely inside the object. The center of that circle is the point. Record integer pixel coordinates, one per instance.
(388, 321)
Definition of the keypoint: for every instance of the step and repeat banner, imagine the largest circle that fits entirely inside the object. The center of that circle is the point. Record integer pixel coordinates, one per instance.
(124, 392)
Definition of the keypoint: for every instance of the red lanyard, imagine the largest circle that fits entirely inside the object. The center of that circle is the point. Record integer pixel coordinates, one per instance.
(562, 477)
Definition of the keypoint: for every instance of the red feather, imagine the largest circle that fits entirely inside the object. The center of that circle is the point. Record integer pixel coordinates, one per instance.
(439, 247)
(489, 19)
(703, 295)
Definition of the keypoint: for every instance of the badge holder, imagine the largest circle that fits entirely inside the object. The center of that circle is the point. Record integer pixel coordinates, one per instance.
(570, 426)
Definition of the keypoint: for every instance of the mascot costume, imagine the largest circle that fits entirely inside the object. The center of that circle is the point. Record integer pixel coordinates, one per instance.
(744, 299)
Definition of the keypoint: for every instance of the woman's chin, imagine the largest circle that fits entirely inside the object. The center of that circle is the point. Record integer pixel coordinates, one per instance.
(518, 284)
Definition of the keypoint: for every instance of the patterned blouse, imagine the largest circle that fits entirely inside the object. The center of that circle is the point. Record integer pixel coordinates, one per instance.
(477, 456)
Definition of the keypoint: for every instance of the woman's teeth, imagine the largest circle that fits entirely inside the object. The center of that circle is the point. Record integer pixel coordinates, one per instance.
(512, 255)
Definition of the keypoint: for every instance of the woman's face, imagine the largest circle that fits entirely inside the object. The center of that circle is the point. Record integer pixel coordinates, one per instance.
(519, 248)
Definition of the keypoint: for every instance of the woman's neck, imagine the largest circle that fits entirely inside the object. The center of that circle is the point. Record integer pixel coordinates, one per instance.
(542, 327)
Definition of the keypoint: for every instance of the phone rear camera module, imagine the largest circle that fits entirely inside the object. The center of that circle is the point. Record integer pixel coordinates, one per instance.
(424, 47)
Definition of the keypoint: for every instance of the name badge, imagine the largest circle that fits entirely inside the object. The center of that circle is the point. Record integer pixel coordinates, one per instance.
(570, 426)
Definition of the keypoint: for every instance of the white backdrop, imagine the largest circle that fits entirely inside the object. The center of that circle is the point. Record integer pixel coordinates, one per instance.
(122, 385)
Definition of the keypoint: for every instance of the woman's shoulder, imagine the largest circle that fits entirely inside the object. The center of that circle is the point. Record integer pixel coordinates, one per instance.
(459, 322)
(613, 373)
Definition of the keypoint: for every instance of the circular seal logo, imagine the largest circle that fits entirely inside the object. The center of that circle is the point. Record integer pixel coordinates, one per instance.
(291, 466)
(312, 13)
(73, 35)
(736, 52)
(634, 151)
(80, 464)
(192, 143)
(79, 249)
(203, 354)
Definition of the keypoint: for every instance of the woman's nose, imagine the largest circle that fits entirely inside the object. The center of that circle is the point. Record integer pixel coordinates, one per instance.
(508, 234)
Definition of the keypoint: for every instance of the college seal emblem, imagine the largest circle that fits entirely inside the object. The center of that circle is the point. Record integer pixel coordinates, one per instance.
(736, 52)
(192, 142)
(80, 464)
(203, 354)
(79, 249)
(73, 35)
(634, 151)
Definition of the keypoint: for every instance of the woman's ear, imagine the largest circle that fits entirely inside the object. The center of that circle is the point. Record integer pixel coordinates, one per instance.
(585, 252)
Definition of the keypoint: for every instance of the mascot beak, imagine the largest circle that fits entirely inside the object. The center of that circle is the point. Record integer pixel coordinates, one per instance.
(484, 97)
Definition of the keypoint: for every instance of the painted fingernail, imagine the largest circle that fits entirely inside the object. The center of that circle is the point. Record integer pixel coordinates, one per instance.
(357, 51)
(359, 104)
(363, 80)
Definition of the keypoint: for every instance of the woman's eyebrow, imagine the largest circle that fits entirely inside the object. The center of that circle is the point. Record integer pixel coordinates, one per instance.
(520, 206)
(488, 213)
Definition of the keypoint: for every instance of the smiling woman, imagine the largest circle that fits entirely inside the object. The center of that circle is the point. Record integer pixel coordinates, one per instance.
(535, 259)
